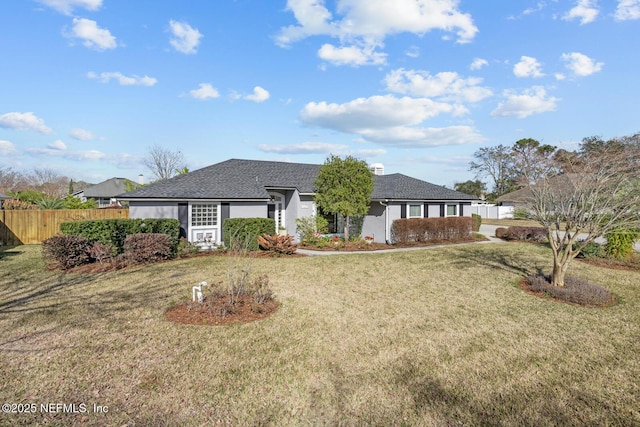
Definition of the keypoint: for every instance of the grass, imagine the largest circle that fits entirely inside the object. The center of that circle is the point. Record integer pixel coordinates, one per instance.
(433, 337)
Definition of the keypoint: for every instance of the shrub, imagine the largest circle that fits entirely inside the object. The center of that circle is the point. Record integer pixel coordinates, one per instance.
(526, 234)
(102, 252)
(277, 244)
(67, 251)
(145, 248)
(18, 205)
(501, 232)
(576, 290)
(620, 242)
(115, 231)
(521, 213)
(477, 222)
(243, 232)
(309, 227)
(591, 250)
(430, 229)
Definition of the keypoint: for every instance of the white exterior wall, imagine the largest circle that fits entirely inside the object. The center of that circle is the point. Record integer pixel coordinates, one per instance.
(153, 210)
(247, 210)
(434, 211)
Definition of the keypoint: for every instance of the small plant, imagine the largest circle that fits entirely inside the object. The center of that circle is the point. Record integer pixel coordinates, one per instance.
(576, 290)
(477, 222)
(186, 248)
(620, 242)
(591, 250)
(102, 252)
(277, 244)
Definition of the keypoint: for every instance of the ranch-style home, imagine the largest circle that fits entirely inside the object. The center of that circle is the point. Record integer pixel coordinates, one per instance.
(201, 200)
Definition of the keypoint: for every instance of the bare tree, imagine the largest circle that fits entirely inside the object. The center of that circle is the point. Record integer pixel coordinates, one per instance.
(164, 163)
(602, 193)
(495, 163)
(49, 182)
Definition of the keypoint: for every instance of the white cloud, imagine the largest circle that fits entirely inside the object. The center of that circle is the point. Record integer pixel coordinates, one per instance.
(530, 101)
(304, 148)
(413, 52)
(376, 112)
(478, 63)
(82, 135)
(24, 121)
(369, 22)
(351, 55)
(445, 85)
(584, 10)
(123, 80)
(57, 145)
(259, 95)
(7, 148)
(580, 64)
(67, 6)
(528, 67)
(627, 10)
(424, 137)
(205, 91)
(91, 35)
(185, 38)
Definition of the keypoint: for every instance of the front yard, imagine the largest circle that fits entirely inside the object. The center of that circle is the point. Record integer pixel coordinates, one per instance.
(435, 337)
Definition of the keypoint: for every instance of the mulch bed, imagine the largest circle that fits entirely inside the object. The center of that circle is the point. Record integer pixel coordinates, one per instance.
(525, 286)
(209, 311)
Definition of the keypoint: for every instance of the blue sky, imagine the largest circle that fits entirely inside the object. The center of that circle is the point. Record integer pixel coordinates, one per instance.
(87, 86)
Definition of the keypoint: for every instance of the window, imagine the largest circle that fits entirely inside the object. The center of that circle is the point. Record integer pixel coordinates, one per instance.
(415, 211)
(452, 210)
(204, 215)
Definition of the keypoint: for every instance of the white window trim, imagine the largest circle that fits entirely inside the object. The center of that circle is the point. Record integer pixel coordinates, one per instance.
(446, 209)
(415, 204)
(214, 229)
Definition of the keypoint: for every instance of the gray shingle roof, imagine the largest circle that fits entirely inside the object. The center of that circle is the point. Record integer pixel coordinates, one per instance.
(250, 179)
(106, 189)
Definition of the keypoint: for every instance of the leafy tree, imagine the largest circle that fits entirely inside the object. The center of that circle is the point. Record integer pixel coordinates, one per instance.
(532, 160)
(600, 195)
(344, 187)
(475, 188)
(71, 202)
(164, 163)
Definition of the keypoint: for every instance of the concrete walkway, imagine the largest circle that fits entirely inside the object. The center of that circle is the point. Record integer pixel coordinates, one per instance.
(489, 232)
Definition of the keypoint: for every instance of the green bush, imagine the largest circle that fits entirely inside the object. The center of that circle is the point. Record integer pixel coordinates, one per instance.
(477, 222)
(309, 227)
(114, 231)
(620, 242)
(591, 250)
(521, 213)
(242, 233)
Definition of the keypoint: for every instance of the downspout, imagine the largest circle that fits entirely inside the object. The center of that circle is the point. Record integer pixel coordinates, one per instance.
(386, 222)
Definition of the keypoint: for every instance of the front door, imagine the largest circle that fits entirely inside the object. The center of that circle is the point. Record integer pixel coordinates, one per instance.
(276, 210)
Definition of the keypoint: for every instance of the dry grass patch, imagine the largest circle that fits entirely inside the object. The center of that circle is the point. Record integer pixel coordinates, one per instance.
(435, 337)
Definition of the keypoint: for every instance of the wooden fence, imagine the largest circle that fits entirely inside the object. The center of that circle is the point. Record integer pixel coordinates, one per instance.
(34, 226)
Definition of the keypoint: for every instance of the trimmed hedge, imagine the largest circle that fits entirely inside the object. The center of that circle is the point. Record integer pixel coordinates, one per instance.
(114, 231)
(430, 229)
(244, 232)
(477, 222)
(526, 234)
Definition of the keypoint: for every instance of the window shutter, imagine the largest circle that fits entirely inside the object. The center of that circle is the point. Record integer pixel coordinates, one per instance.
(403, 210)
(443, 211)
(425, 210)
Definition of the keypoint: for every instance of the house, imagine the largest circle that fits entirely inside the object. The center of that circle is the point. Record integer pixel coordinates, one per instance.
(561, 185)
(236, 188)
(105, 192)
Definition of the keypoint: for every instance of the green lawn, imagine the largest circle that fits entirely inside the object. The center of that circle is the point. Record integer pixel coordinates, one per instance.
(434, 337)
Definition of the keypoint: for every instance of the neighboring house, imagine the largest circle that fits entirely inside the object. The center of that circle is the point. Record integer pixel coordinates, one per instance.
(235, 188)
(3, 197)
(560, 184)
(105, 192)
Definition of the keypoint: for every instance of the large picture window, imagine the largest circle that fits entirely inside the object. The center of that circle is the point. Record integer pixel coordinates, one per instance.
(204, 215)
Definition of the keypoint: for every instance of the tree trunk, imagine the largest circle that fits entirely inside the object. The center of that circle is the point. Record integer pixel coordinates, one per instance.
(559, 272)
(346, 228)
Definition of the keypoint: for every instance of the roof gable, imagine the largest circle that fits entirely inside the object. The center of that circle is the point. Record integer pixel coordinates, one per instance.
(108, 188)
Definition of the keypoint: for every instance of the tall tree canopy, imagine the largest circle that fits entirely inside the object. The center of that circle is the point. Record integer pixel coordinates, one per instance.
(344, 187)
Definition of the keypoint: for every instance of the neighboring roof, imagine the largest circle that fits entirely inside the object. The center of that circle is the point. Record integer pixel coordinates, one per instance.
(559, 183)
(251, 179)
(108, 188)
